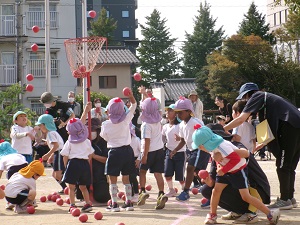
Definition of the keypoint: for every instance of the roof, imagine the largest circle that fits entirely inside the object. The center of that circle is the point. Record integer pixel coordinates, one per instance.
(174, 88)
(117, 56)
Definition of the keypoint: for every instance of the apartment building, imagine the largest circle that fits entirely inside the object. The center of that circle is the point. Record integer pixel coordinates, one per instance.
(276, 15)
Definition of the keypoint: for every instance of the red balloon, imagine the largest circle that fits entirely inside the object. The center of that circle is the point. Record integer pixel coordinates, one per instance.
(203, 174)
(126, 91)
(98, 215)
(83, 218)
(82, 68)
(137, 76)
(35, 29)
(30, 209)
(29, 87)
(29, 77)
(34, 47)
(43, 198)
(92, 14)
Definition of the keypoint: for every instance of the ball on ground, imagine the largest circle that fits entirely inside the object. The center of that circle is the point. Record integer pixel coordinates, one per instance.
(43, 198)
(30, 209)
(75, 212)
(195, 191)
(98, 215)
(148, 187)
(83, 218)
(66, 190)
(59, 201)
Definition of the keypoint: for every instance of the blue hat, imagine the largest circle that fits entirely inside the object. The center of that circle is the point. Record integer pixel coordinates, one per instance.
(48, 120)
(6, 149)
(204, 136)
(172, 106)
(17, 114)
(245, 88)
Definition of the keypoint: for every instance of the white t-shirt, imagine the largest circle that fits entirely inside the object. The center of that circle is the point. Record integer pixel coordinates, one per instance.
(118, 135)
(77, 150)
(18, 183)
(19, 140)
(136, 146)
(153, 132)
(186, 130)
(53, 136)
(226, 148)
(247, 133)
(10, 160)
(170, 131)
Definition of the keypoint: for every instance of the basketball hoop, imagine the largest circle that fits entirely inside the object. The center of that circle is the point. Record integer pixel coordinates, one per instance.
(83, 54)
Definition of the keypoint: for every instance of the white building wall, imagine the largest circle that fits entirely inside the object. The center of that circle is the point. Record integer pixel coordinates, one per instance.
(276, 15)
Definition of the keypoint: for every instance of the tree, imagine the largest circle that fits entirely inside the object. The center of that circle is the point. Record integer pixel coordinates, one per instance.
(104, 27)
(158, 59)
(201, 42)
(254, 23)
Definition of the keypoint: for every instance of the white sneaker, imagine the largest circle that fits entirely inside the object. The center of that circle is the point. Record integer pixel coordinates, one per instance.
(247, 218)
(294, 202)
(135, 198)
(231, 216)
(9, 206)
(171, 193)
(281, 204)
(275, 215)
(20, 209)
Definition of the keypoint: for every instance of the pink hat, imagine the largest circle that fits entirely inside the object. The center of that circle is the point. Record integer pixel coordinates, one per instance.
(78, 132)
(116, 110)
(150, 111)
(184, 104)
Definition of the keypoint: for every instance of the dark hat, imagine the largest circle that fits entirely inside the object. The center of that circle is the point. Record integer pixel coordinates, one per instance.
(47, 98)
(245, 88)
(218, 129)
(95, 124)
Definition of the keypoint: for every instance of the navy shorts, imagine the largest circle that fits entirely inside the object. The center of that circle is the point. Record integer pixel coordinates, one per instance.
(198, 159)
(21, 197)
(175, 165)
(13, 169)
(78, 171)
(120, 159)
(58, 163)
(237, 180)
(155, 161)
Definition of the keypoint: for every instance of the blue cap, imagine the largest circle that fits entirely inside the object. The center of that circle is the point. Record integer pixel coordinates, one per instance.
(204, 136)
(172, 106)
(48, 120)
(17, 114)
(245, 88)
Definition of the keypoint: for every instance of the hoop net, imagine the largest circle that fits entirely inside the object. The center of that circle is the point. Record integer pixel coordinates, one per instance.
(83, 54)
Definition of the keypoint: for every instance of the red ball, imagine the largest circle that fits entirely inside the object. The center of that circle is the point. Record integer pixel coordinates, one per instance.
(148, 187)
(120, 223)
(109, 202)
(53, 198)
(35, 29)
(34, 47)
(124, 198)
(30, 209)
(176, 190)
(83, 218)
(54, 193)
(2, 187)
(203, 200)
(126, 91)
(66, 190)
(29, 77)
(195, 191)
(98, 215)
(137, 76)
(29, 87)
(82, 68)
(59, 201)
(203, 174)
(67, 200)
(75, 212)
(49, 197)
(120, 194)
(43, 198)
(92, 14)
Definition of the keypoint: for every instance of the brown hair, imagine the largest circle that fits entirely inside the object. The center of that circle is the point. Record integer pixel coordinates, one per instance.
(239, 105)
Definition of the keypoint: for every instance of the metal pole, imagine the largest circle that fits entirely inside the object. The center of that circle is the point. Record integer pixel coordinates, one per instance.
(84, 34)
(19, 47)
(47, 46)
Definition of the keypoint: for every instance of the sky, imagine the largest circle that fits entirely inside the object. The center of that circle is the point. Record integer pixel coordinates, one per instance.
(180, 14)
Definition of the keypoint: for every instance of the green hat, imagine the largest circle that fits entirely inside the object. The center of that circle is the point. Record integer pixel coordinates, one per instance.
(18, 113)
(47, 98)
(48, 120)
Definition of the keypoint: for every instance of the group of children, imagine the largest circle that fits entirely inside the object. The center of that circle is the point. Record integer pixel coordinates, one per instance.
(182, 132)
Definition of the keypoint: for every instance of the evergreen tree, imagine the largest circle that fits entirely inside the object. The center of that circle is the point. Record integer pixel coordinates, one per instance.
(202, 42)
(254, 23)
(158, 59)
(104, 27)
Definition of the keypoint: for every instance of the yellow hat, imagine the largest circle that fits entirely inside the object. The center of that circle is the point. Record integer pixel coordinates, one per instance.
(35, 167)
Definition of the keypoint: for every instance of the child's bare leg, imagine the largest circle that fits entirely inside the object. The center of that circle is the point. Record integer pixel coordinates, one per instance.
(2, 194)
(143, 178)
(189, 176)
(160, 181)
(72, 193)
(253, 201)
(31, 195)
(85, 193)
(215, 197)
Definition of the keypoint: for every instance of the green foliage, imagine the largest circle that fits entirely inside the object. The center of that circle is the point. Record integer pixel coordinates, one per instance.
(254, 23)
(104, 27)
(104, 99)
(10, 105)
(158, 59)
(202, 42)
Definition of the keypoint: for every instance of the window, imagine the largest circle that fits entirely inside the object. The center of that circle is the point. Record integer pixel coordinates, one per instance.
(37, 107)
(36, 16)
(280, 18)
(80, 81)
(37, 64)
(107, 82)
(125, 14)
(274, 19)
(125, 34)
(107, 14)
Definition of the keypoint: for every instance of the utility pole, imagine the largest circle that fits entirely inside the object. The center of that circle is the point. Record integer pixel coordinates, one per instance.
(19, 46)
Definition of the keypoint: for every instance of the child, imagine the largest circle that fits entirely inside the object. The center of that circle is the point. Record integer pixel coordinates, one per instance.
(176, 164)
(231, 169)
(22, 135)
(116, 132)
(244, 133)
(221, 120)
(21, 187)
(196, 161)
(55, 144)
(76, 154)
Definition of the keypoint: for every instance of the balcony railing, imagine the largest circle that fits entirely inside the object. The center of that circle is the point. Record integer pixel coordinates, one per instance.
(38, 110)
(8, 25)
(37, 67)
(8, 74)
(38, 19)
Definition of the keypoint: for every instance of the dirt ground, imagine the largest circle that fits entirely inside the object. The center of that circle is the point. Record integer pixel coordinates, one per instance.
(175, 213)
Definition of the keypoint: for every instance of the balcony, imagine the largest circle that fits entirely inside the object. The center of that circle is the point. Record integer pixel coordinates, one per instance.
(37, 67)
(8, 25)
(8, 75)
(38, 19)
